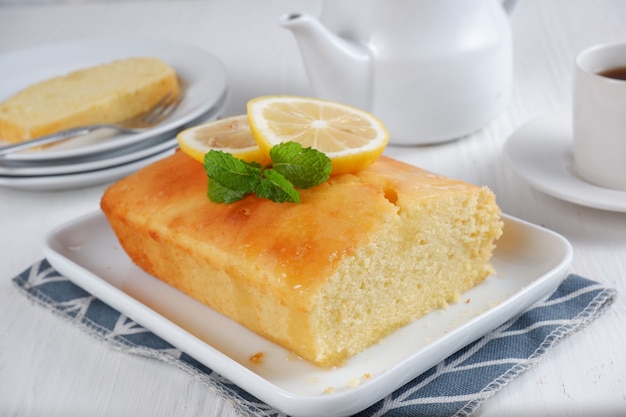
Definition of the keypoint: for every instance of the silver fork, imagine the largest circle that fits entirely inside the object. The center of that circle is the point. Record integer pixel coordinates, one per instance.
(135, 124)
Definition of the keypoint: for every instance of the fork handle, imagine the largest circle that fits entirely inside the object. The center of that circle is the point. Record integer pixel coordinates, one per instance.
(48, 139)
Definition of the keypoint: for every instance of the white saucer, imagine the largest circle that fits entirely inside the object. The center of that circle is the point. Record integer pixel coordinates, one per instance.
(203, 79)
(540, 152)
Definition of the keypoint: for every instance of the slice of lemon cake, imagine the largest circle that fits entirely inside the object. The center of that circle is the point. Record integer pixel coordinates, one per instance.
(107, 93)
(360, 256)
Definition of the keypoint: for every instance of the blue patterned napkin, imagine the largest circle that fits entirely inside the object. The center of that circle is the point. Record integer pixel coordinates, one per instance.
(454, 387)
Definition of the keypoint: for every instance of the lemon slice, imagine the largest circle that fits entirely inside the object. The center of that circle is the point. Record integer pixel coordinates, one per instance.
(231, 135)
(352, 138)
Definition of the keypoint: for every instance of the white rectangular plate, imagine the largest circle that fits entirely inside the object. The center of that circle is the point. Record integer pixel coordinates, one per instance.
(530, 262)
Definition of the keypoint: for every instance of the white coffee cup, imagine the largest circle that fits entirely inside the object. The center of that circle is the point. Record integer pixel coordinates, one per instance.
(600, 116)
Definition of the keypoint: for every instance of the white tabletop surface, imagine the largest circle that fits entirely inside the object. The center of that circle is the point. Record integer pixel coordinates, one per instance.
(50, 368)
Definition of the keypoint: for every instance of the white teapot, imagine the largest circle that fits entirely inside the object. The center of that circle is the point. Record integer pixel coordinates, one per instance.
(431, 70)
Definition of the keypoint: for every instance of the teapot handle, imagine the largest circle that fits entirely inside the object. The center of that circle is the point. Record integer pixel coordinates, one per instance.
(509, 5)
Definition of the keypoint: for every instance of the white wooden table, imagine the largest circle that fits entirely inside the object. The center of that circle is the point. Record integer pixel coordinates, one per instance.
(50, 368)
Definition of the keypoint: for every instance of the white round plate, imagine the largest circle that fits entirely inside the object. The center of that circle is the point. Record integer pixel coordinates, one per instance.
(115, 157)
(81, 179)
(203, 78)
(540, 152)
(88, 164)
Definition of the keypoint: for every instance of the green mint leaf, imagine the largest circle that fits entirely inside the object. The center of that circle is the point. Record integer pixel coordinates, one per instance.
(232, 173)
(231, 179)
(274, 186)
(217, 193)
(303, 167)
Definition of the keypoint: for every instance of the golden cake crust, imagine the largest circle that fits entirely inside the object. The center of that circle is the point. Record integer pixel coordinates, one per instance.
(307, 243)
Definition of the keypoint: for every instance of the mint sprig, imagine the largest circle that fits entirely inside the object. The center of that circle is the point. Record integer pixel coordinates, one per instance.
(231, 179)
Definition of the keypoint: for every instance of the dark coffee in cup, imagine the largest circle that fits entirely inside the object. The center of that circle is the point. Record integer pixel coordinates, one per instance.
(618, 73)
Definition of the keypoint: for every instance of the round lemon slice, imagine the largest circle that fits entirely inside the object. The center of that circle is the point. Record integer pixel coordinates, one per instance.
(352, 138)
(230, 135)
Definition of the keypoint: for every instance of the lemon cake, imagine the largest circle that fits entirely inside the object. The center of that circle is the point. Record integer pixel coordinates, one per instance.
(362, 254)
(107, 93)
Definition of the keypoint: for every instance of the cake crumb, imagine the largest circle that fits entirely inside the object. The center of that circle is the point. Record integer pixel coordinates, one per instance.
(354, 382)
(257, 358)
(367, 375)
(468, 301)
(329, 390)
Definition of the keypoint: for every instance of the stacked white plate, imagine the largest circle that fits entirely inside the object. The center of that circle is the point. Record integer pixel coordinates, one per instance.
(104, 156)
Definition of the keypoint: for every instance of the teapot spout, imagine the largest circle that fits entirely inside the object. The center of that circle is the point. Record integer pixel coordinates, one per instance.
(337, 68)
